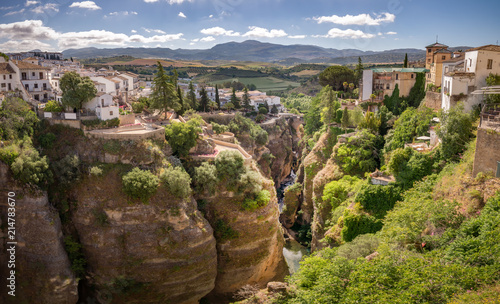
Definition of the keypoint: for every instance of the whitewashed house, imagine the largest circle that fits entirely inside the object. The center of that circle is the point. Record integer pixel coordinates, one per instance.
(460, 80)
(104, 106)
(35, 80)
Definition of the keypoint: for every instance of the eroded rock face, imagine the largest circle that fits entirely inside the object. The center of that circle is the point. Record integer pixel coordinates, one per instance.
(43, 270)
(255, 255)
(291, 201)
(164, 250)
(322, 210)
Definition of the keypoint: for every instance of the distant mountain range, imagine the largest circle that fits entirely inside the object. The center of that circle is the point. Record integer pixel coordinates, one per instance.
(252, 50)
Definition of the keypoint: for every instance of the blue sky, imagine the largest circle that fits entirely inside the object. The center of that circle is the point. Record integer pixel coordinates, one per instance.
(359, 24)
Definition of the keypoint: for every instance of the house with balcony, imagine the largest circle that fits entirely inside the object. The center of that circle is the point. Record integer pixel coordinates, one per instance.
(104, 106)
(464, 77)
(35, 79)
(9, 76)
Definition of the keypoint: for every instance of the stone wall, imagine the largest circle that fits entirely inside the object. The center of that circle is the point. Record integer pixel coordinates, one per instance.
(487, 151)
(70, 123)
(156, 134)
(127, 119)
(433, 100)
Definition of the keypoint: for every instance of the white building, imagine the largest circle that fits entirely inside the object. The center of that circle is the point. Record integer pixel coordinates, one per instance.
(9, 76)
(460, 80)
(35, 80)
(104, 106)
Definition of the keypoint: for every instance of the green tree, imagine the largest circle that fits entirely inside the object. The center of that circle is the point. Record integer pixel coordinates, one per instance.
(246, 100)
(203, 100)
(371, 122)
(235, 100)
(345, 119)
(393, 103)
(492, 80)
(17, 120)
(212, 105)
(358, 73)
(140, 184)
(182, 137)
(335, 76)
(455, 131)
(183, 105)
(191, 96)
(405, 63)
(230, 166)
(219, 129)
(228, 106)
(177, 181)
(330, 106)
(417, 92)
(76, 90)
(205, 178)
(163, 93)
(217, 99)
(274, 109)
(53, 106)
(359, 154)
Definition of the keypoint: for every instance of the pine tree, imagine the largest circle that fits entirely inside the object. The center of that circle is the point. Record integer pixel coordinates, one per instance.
(163, 94)
(203, 100)
(234, 100)
(217, 100)
(191, 96)
(359, 71)
(246, 99)
(184, 106)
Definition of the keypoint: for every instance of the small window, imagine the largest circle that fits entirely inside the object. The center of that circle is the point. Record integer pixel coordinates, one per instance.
(3, 85)
(429, 50)
(412, 76)
(4, 77)
(388, 87)
(111, 113)
(443, 57)
(490, 64)
(33, 74)
(10, 76)
(36, 86)
(397, 76)
(429, 60)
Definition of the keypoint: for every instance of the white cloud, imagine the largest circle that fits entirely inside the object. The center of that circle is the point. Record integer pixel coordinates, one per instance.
(211, 16)
(27, 30)
(391, 33)
(133, 31)
(346, 34)
(102, 37)
(28, 2)
(156, 38)
(361, 19)
(181, 14)
(24, 45)
(153, 31)
(169, 1)
(260, 32)
(207, 39)
(297, 36)
(122, 13)
(46, 8)
(196, 40)
(15, 12)
(6, 8)
(86, 4)
(219, 31)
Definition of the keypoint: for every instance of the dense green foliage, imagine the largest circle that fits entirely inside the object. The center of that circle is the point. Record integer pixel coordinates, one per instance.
(455, 131)
(205, 177)
(29, 167)
(75, 255)
(17, 120)
(140, 184)
(260, 200)
(163, 92)
(177, 181)
(76, 90)
(412, 123)
(67, 170)
(359, 154)
(240, 125)
(223, 231)
(300, 102)
(377, 199)
(335, 192)
(355, 224)
(53, 106)
(409, 166)
(219, 129)
(230, 167)
(182, 137)
(335, 76)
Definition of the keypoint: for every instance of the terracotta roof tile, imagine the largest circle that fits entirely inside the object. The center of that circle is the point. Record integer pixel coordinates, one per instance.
(5, 68)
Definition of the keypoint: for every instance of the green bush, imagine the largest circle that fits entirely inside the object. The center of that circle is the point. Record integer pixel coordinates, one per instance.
(224, 232)
(205, 178)
(137, 107)
(261, 199)
(47, 140)
(75, 255)
(53, 106)
(357, 224)
(67, 169)
(378, 199)
(263, 110)
(96, 171)
(17, 120)
(219, 129)
(30, 168)
(182, 137)
(335, 192)
(230, 166)
(240, 125)
(359, 154)
(177, 181)
(249, 183)
(260, 118)
(140, 184)
(9, 154)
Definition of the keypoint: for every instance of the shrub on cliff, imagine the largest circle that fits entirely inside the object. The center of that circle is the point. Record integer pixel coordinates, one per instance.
(29, 167)
(357, 224)
(182, 137)
(261, 199)
(177, 181)
(230, 166)
(67, 169)
(140, 184)
(205, 177)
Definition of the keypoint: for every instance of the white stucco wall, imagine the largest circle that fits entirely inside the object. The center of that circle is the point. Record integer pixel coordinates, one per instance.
(367, 84)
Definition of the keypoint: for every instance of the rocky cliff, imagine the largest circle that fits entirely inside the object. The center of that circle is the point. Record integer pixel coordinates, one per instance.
(164, 250)
(42, 267)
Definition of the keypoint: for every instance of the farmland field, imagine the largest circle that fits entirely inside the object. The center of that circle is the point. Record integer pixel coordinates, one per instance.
(262, 83)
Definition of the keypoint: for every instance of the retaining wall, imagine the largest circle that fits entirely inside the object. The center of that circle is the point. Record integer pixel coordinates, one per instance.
(487, 153)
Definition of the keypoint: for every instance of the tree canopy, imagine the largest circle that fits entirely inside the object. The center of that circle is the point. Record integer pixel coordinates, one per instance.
(163, 94)
(76, 90)
(335, 76)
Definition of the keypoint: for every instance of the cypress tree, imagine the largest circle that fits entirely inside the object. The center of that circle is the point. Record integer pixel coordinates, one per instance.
(217, 100)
